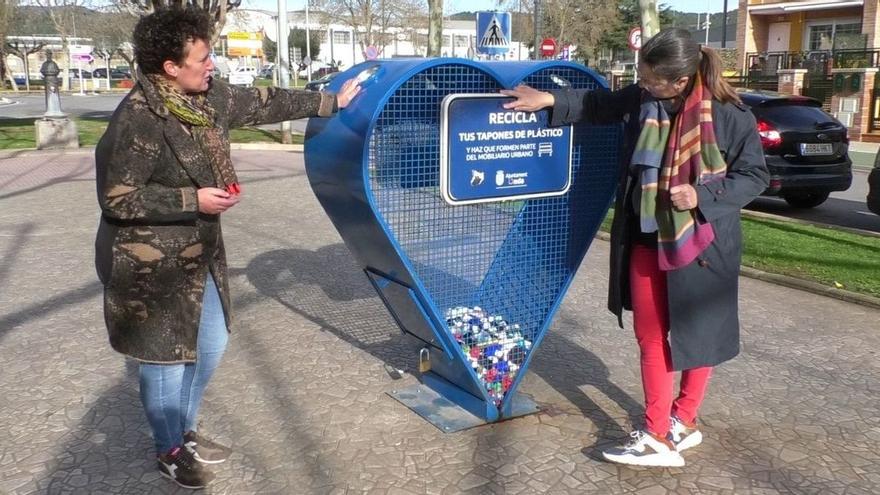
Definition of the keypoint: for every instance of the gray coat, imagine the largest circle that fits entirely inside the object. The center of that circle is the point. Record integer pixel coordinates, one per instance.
(702, 296)
(154, 249)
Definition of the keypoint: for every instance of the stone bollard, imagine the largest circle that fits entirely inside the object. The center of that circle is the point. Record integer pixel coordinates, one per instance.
(54, 129)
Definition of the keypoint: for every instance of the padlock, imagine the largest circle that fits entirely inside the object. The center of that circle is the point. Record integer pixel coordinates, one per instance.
(424, 360)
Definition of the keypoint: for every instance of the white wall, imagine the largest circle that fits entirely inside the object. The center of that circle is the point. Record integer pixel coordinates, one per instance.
(346, 47)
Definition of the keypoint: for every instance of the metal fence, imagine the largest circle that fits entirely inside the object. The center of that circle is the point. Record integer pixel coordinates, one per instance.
(815, 62)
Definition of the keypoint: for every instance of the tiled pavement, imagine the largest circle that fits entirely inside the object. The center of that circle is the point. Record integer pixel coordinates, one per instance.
(301, 394)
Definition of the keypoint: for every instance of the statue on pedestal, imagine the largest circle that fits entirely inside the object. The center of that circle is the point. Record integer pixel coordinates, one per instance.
(50, 72)
(54, 129)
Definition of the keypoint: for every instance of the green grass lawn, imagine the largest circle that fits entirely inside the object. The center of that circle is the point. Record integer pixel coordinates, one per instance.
(19, 133)
(261, 82)
(829, 257)
(826, 256)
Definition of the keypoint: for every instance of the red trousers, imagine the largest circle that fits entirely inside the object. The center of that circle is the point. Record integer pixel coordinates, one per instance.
(651, 322)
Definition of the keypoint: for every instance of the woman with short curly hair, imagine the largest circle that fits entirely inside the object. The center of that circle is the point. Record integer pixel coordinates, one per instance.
(164, 175)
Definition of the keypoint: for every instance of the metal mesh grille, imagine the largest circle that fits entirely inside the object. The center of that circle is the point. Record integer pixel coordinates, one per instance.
(511, 258)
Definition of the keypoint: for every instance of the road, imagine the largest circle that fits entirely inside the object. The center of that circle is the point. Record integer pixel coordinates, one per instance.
(845, 208)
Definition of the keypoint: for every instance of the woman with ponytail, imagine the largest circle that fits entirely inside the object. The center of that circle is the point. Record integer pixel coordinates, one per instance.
(691, 159)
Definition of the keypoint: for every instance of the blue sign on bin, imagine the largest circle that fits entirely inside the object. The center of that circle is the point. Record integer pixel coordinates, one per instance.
(489, 153)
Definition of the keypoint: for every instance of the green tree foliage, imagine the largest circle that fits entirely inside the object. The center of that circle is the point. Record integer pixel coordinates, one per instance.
(296, 38)
(7, 11)
(629, 16)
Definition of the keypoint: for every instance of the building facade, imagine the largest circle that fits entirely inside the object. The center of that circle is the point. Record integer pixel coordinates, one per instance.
(827, 49)
(345, 46)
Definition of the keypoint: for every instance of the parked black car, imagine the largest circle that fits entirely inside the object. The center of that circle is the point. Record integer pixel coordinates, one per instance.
(806, 148)
(874, 187)
(74, 73)
(319, 84)
(114, 74)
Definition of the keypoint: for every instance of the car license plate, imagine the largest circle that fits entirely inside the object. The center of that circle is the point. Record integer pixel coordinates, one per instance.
(816, 149)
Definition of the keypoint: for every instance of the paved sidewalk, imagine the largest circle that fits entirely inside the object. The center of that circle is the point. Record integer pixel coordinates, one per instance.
(302, 393)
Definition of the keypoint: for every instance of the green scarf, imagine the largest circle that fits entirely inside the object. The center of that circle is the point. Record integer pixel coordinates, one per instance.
(200, 117)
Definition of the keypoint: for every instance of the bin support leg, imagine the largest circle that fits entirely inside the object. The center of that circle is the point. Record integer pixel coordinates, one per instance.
(431, 400)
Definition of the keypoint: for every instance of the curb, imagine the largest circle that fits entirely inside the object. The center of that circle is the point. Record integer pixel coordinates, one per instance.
(266, 147)
(779, 218)
(814, 287)
(796, 283)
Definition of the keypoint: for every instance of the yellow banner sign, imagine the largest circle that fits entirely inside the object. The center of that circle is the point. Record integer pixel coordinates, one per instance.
(244, 52)
(240, 35)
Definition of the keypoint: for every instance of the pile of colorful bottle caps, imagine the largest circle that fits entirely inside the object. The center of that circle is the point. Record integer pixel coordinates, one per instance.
(495, 348)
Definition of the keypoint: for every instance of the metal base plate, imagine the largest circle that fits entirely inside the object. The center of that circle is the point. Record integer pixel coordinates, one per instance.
(448, 416)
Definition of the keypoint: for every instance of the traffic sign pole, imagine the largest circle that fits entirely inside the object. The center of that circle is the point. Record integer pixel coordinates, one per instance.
(634, 40)
(79, 66)
(636, 68)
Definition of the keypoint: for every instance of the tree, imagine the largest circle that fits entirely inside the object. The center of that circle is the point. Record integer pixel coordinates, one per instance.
(111, 32)
(578, 22)
(216, 8)
(650, 18)
(22, 47)
(369, 19)
(64, 14)
(24, 22)
(629, 16)
(435, 27)
(270, 49)
(7, 10)
(296, 38)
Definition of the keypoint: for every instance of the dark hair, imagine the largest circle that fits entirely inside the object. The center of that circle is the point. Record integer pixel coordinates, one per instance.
(163, 35)
(673, 53)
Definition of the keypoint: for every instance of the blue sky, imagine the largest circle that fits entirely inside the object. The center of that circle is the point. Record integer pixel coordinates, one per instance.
(459, 5)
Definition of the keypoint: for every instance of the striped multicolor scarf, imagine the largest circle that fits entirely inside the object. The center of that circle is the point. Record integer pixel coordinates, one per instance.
(691, 157)
(200, 116)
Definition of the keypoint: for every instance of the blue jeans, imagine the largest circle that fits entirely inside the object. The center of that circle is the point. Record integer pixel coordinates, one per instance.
(172, 393)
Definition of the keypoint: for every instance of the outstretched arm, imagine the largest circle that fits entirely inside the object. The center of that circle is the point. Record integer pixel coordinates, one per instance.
(256, 106)
(570, 106)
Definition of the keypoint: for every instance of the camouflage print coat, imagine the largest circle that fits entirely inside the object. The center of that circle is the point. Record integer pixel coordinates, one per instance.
(154, 249)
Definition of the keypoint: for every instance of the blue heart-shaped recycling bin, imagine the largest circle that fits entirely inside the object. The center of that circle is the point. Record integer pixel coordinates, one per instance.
(479, 282)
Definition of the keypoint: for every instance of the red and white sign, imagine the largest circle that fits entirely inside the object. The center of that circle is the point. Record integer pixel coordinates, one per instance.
(371, 52)
(87, 58)
(548, 47)
(634, 39)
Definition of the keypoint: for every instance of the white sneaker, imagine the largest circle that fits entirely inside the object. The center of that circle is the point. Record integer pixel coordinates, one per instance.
(645, 449)
(682, 435)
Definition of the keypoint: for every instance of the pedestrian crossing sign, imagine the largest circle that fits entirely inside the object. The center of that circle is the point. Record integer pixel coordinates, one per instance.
(493, 33)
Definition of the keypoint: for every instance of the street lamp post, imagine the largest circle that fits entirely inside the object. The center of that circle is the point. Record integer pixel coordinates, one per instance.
(724, 27)
(708, 23)
(308, 45)
(283, 62)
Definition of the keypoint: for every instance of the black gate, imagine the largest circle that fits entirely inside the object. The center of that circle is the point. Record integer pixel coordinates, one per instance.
(874, 120)
(820, 87)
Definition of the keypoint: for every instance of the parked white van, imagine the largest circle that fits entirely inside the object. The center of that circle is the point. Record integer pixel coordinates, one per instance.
(243, 76)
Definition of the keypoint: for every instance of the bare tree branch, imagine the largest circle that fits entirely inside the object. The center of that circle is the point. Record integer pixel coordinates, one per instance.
(217, 9)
